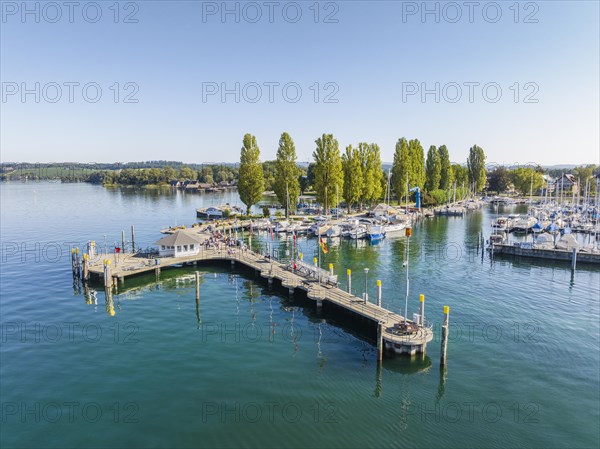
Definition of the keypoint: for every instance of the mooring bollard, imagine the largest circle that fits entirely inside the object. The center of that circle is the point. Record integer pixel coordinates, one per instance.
(379, 292)
(349, 280)
(422, 311)
(444, 348)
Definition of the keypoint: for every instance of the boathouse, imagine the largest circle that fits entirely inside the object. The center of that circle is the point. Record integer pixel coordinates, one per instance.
(178, 244)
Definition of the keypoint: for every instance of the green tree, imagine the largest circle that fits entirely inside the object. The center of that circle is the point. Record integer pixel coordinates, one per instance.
(370, 156)
(416, 175)
(251, 184)
(186, 173)
(287, 186)
(375, 173)
(446, 175)
(433, 170)
(461, 175)
(269, 174)
(353, 177)
(526, 179)
(169, 174)
(499, 180)
(584, 174)
(401, 168)
(206, 175)
(476, 167)
(328, 170)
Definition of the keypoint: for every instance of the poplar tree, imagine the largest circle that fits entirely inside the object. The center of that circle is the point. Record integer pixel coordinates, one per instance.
(353, 176)
(374, 173)
(416, 175)
(287, 174)
(400, 168)
(447, 176)
(251, 184)
(476, 168)
(329, 178)
(433, 170)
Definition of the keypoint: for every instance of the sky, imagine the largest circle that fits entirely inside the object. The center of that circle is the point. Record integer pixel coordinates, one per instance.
(110, 81)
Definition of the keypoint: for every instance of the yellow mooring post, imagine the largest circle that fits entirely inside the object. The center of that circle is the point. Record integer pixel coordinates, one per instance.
(349, 280)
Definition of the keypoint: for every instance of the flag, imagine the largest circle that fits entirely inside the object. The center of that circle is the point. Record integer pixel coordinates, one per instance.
(323, 246)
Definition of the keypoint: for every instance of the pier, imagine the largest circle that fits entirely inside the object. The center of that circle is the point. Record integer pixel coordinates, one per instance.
(546, 253)
(394, 332)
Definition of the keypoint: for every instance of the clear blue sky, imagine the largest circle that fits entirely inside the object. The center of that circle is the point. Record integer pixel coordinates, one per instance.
(368, 54)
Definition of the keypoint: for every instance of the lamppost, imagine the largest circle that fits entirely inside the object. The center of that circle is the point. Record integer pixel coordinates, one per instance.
(366, 291)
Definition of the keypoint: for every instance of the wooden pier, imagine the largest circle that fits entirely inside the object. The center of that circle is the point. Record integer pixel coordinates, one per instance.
(393, 336)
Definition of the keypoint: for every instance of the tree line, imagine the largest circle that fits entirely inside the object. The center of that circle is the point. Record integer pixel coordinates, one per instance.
(356, 177)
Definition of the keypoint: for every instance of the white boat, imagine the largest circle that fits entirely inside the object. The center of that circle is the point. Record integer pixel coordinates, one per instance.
(359, 232)
(524, 223)
(320, 228)
(501, 224)
(281, 226)
(394, 228)
(375, 232)
(334, 231)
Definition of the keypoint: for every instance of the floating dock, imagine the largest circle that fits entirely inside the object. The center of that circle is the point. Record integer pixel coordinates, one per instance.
(393, 335)
(546, 253)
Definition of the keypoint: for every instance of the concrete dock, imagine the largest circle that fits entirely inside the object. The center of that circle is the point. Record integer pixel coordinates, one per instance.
(392, 334)
(544, 253)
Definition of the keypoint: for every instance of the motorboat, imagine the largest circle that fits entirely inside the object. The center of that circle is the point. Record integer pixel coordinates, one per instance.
(334, 231)
(501, 224)
(375, 232)
(524, 223)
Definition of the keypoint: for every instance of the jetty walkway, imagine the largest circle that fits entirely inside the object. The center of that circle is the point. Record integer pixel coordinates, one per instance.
(410, 339)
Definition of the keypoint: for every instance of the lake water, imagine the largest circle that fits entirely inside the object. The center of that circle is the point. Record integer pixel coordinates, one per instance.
(250, 367)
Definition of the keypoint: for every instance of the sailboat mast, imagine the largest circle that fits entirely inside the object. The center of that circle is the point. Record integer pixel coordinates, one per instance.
(407, 280)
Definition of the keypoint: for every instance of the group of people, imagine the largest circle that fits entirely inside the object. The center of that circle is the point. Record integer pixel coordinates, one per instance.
(219, 241)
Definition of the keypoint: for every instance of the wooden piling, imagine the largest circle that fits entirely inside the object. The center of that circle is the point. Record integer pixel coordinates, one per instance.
(331, 269)
(132, 240)
(123, 240)
(444, 347)
(86, 274)
(107, 276)
(379, 292)
(379, 341)
(574, 259)
(422, 311)
(197, 286)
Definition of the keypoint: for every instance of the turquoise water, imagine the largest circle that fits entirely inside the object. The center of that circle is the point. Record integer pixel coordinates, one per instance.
(251, 367)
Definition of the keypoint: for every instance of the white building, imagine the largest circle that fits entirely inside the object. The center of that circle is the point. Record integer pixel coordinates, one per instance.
(178, 244)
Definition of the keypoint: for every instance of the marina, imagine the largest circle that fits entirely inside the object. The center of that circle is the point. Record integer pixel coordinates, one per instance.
(253, 337)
